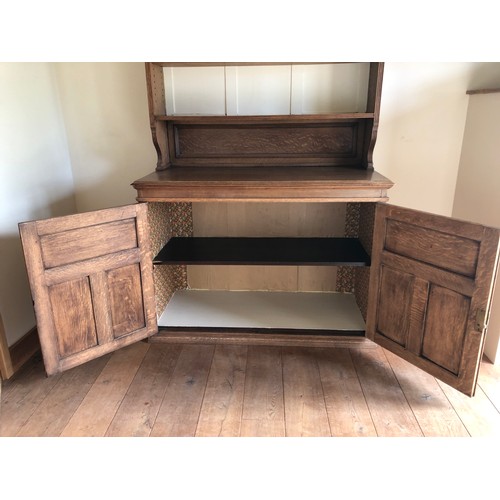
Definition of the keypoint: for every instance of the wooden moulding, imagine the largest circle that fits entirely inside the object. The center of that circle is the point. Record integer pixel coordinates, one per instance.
(273, 184)
(271, 339)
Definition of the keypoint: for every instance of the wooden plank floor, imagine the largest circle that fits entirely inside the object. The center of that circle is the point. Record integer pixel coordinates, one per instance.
(200, 390)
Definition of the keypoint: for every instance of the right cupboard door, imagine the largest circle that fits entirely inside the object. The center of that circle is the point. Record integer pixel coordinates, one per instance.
(430, 290)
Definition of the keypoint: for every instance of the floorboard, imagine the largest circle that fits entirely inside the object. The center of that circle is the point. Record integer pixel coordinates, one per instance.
(239, 390)
(390, 411)
(305, 408)
(223, 401)
(489, 381)
(432, 409)
(478, 414)
(139, 408)
(180, 409)
(93, 416)
(263, 407)
(346, 405)
(55, 411)
(23, 395)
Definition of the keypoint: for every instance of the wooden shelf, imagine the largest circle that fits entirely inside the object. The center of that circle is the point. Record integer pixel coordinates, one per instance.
(318, 312)
(249, 119)
(263, 251)
(279, 183)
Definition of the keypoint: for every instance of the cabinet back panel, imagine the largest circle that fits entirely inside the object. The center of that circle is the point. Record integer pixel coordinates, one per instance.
(333, 141)
(266, 89)
(267, 219)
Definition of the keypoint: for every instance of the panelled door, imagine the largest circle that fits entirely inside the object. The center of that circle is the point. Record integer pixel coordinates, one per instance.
(91, 278)
(431, 284)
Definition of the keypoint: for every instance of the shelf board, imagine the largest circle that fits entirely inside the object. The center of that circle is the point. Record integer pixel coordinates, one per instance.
(246, 119)
(271, 183)
(319, 312)
(263, 251)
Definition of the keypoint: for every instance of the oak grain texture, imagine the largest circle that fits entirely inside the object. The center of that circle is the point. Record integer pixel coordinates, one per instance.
(478, 414)
(222, 406)
(274, 184)
(98, 408)
(55, 411)
(448, 291)
(179, 412)
(22, 395)
(432, 409)
(305, 409)
(391, 414)
(263, 405)
(346, 406)
(139, 408)
(33, 404)
(88, 300)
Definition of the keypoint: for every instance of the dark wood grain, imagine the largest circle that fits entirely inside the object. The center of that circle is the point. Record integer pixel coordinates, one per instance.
(90, 302)
(334, 143)
(440, 312)
(263, 184)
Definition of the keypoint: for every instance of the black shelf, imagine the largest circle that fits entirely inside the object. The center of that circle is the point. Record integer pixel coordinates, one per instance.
(263, 251)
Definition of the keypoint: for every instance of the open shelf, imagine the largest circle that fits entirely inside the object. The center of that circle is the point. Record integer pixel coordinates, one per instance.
(316, 312)
(249, 119)
(263, 251)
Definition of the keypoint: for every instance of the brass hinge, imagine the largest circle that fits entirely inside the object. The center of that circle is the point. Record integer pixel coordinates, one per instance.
(480, 320)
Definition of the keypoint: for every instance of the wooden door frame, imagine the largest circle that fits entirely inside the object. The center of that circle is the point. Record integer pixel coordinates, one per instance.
(6, 368)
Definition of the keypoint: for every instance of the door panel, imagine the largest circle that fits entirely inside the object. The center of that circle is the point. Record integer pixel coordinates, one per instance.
(91, 277)
(445, 327)
(395, 288)
(431, 277)
(127, 309)
(74, 327)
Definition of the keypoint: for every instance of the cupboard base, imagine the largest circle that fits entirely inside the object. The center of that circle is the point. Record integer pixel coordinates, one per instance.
(209, 336)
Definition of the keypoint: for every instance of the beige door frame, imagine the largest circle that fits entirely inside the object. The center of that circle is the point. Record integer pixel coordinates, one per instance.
(6, 369)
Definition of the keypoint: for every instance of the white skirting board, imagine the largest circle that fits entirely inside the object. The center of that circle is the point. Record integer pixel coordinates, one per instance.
(255, 309)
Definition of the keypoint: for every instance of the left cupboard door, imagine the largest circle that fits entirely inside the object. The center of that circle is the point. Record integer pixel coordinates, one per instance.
(91, 278)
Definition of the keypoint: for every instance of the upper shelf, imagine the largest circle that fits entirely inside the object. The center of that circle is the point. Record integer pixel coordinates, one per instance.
(215, 119)
(278, 183)
(246, 116)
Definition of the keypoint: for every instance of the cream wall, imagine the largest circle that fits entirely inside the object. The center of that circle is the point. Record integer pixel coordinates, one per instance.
(420, 132)
(36, 177)
(477, 195)
(105, 111)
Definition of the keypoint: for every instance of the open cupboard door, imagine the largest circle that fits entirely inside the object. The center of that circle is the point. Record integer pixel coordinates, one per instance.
(430, 290)
(91, 278)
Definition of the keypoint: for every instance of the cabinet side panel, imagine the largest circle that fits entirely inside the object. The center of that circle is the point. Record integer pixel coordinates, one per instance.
(167, 220)
(346, 274)
(362, 274)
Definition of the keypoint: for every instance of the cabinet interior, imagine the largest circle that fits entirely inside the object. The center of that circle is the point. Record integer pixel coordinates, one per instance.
(253, 282)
